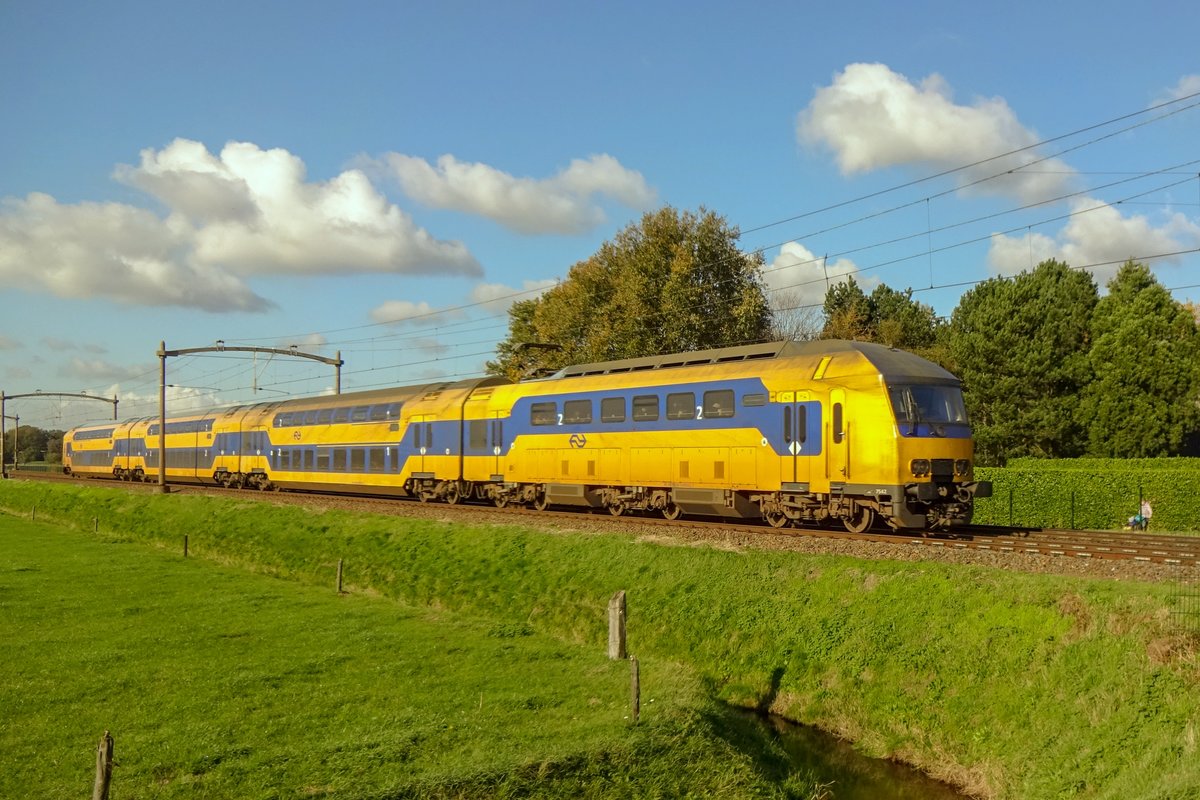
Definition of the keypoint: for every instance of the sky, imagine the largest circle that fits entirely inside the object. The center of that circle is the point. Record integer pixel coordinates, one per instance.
(381, 180)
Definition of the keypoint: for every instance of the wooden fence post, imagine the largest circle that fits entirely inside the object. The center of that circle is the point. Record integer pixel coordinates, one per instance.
(95, 524)
(616, 626)
(339, 579)
(185, 545)
(104, 763)
(635, 689)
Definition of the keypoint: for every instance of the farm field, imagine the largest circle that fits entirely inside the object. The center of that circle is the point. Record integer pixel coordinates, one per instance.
(1011, 685)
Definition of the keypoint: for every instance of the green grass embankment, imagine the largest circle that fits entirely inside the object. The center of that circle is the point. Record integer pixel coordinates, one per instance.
(1013, 685)
(218, 683)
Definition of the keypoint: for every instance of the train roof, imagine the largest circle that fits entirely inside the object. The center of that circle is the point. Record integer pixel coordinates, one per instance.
(892, 363)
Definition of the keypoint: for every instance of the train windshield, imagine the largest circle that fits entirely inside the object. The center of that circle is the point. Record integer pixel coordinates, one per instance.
(930, 404)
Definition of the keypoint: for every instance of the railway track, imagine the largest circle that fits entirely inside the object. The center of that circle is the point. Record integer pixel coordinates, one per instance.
(1172, 550)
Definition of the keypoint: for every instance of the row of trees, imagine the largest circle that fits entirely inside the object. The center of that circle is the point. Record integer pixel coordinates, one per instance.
(1049, 368)
(28, 444)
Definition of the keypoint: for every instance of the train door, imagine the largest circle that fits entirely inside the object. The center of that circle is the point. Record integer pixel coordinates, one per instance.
(839, 438)
(420, 442)
(496, 442)
(795, 411)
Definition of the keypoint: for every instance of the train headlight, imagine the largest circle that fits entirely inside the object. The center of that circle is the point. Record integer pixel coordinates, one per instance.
(920, 467)
(962, 466)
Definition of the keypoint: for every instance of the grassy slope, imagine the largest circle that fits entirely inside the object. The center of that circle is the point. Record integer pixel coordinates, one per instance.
(221, 684)
(1015, 685)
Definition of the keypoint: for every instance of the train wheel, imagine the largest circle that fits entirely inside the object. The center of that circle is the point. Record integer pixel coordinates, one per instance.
(617, 508)
(542, 502)
(672, 511)
(862, 519)
(776, 519)
(501, 501)
(453, 493)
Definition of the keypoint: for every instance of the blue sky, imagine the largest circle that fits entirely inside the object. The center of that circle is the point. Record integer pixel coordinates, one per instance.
(381, 179)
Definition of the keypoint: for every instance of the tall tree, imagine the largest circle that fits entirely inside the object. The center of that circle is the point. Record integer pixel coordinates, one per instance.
(674, 281)
(887, 316)
(1020, 346)
(1146, 357)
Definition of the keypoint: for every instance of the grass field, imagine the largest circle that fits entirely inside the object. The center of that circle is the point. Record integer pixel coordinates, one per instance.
(221, 684)
(1013, 685)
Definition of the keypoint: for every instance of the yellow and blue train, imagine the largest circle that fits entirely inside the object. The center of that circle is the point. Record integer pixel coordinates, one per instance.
(787, 432)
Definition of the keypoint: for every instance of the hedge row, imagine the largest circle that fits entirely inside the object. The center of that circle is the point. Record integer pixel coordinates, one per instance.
(1092, 493)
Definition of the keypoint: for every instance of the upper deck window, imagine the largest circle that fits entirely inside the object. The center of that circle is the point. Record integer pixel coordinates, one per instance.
(938, 405)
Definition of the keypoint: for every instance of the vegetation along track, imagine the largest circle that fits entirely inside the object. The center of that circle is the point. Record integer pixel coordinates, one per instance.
(1110, 554)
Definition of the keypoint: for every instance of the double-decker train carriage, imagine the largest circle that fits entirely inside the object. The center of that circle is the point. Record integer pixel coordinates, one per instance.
(787, 432)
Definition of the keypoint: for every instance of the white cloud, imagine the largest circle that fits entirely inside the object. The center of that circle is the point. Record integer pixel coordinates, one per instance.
(406, 312)
(565, 203)
(246, 212)
(801, 278)
(63, 345)
(111, 250)
(1096, 234)
(276, 223)
(873, 118)
(308, 343)
(1188, 85)
(92, 371)
(496, 298)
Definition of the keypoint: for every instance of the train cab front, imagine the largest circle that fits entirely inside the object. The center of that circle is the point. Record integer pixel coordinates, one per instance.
(936, 457)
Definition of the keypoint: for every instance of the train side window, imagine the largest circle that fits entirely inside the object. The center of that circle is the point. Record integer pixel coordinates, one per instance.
(718, 403)
(378, 413)
(393, 411)
(339, 459)
(645, 408)
(322, 460)
(577, 412)
(360, 414)
(377, 459)
(310, 417)
(477, 434)
(341, 415)
(358, 460)
(325, 416)
(839, 432)
(612, 409)
(752, 400)
(681, 405)
(543, 414)
(802, 424)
